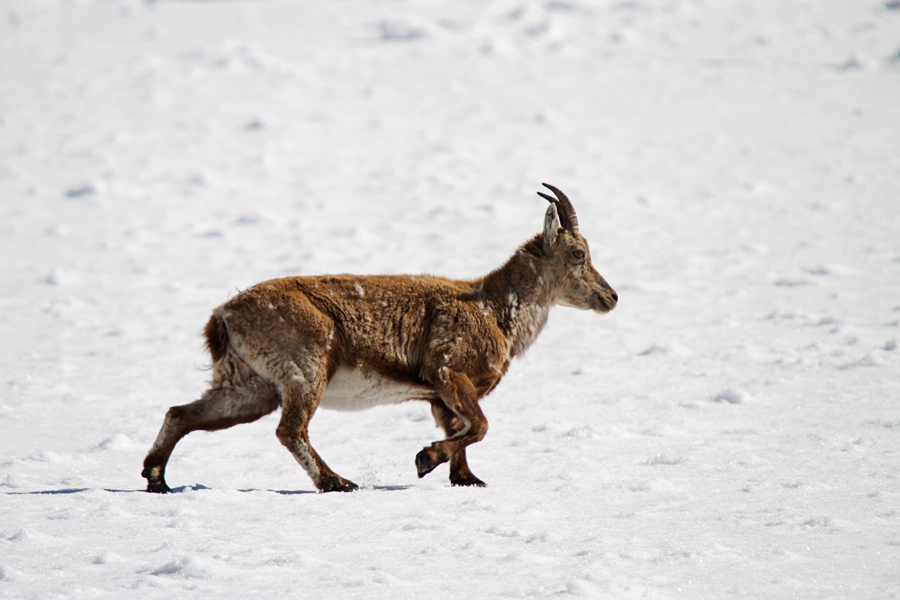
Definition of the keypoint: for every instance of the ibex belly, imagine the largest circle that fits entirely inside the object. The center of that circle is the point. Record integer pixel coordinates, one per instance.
(359, 389)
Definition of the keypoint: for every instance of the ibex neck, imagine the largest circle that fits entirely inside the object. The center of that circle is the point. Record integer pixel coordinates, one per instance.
(519, 295)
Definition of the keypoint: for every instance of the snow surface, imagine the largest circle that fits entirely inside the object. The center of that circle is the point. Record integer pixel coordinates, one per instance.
(732, 429)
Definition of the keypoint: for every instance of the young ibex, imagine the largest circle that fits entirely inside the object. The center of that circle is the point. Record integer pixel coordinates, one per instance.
(353, 342)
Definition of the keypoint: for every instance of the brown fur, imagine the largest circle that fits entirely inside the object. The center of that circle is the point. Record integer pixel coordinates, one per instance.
(216, 338)
(356, 341)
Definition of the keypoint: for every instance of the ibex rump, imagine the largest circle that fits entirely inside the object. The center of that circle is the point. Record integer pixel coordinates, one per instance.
(353, 342)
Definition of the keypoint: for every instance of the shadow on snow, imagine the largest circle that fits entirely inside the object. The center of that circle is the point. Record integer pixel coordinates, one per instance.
(195, 488)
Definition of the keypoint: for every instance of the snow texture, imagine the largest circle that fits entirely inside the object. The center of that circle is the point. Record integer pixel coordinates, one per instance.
(732, 429)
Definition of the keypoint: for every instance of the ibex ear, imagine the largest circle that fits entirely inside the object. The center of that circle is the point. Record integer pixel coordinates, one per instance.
(551, 226)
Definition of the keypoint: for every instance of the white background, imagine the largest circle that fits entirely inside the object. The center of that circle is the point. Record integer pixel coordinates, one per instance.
(732, 429)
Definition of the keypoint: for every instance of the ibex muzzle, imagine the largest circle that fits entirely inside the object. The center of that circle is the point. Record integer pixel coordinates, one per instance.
(352, 342)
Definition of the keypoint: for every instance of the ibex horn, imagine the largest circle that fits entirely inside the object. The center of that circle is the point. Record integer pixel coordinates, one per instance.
(567, 216)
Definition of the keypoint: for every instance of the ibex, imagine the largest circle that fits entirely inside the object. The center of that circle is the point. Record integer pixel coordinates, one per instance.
(352, 342)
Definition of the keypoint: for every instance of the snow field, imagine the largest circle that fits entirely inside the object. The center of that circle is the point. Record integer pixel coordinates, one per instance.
(730, 430)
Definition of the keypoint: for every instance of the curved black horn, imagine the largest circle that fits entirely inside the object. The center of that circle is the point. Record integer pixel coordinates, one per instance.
(567, 216)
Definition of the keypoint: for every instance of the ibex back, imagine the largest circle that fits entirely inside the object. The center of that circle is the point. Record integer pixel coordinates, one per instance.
(352, 342)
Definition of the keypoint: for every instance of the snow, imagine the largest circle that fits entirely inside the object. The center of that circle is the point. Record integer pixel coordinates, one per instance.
(730, 430)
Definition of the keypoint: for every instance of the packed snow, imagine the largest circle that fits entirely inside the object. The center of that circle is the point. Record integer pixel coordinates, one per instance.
(732, 429)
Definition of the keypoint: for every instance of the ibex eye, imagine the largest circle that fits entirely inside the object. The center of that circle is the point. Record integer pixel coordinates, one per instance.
(578, 253)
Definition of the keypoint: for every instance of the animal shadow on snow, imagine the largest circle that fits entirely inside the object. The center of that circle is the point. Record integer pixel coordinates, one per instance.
(193, 488)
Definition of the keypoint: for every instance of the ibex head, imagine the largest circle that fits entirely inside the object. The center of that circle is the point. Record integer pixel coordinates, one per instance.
(580, 285)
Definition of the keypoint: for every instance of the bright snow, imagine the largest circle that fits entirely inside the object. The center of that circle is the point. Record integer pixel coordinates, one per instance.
(732, 429)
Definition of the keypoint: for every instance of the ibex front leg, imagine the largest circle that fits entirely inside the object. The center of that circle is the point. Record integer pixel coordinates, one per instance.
(453, 425)
(462, 420)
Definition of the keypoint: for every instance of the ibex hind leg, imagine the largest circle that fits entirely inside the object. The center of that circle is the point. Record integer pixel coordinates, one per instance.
(302, 396)
(222, 406)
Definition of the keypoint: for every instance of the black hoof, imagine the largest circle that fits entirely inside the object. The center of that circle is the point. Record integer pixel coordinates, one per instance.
(158, 487)
(338, 484)
(424, 463)
(456, 479)
(156, 484)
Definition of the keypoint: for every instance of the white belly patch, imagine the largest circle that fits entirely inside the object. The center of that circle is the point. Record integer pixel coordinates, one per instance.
(359, 389)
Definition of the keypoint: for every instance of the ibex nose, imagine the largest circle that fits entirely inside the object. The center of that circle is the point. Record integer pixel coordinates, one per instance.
(615, 297)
